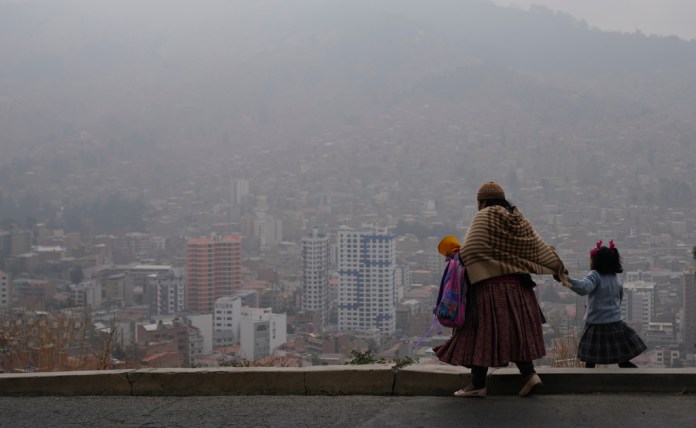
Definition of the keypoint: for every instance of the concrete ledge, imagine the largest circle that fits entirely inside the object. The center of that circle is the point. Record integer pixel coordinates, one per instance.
(369, 379)
(218, 381)
(599, 380)
(377, 379)
(430, 380)
(103, 382)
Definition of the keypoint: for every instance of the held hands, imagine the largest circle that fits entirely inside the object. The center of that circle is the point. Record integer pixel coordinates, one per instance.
(562, 277)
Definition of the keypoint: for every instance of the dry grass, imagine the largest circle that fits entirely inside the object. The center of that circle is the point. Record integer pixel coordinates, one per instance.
(269, 361)
(42, 342)
(564, 347)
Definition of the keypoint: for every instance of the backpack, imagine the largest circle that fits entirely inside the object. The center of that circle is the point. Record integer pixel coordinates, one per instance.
(450, 306)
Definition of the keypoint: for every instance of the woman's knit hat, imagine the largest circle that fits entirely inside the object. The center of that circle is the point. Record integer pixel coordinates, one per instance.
(448, 245)
(490, 190)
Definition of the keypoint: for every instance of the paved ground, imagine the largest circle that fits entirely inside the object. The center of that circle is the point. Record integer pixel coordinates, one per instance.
(559, 411)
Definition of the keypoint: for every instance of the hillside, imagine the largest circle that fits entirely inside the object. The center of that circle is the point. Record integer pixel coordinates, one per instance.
(93, 85)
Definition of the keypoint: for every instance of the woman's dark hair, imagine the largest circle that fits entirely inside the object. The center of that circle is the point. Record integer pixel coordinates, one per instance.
(607, 261)
(499, 202)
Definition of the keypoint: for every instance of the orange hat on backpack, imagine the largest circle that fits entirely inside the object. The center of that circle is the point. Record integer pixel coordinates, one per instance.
(448, 245)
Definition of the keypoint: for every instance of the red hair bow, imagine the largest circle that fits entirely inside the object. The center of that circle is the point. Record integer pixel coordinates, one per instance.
(599, 245)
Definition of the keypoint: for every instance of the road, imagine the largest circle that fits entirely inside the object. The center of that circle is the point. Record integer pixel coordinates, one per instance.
(351, 411)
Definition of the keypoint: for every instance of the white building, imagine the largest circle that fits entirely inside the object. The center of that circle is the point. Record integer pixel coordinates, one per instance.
(402, 275)
(204, 324)
(261, 332)
(315, 274)
(227, 318)
(239, 191)
(367, 287)
(5, 288)
(267, 229)
(86, 294)
(167, 291)
(638, 302)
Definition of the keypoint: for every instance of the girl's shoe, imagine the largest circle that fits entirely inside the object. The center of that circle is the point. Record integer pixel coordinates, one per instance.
(470, 392)
(531, 382)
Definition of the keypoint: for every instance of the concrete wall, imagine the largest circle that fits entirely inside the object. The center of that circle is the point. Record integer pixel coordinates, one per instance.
(378, 379)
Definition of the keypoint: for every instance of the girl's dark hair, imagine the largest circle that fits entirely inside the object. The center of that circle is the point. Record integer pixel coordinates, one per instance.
(500, 202)
(607, 261)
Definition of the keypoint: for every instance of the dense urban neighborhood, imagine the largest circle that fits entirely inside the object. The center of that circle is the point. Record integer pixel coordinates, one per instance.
(239, 197)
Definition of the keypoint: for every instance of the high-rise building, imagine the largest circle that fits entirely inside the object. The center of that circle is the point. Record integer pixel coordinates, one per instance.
(167, 292)
(5, 288)
(213, 270)
(239, 191)
(227, 317)
(689, 318)
(366, 281)
(267, 229)
(315, 274)
(638, 304)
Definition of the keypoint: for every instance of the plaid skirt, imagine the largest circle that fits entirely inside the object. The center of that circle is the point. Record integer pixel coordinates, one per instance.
(504, 328)
(609, 343)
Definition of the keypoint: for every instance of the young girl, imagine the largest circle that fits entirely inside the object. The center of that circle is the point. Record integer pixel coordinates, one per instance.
(606, 338)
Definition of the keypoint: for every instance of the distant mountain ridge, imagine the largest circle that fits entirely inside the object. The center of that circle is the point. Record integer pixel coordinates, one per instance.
(254, 71)
(149, 99)
(547, 41)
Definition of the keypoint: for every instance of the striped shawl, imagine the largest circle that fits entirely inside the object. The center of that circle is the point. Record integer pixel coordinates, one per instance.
(499, 242)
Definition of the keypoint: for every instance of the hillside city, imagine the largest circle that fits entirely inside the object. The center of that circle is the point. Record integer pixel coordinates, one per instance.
(253, 184)
(272, 292)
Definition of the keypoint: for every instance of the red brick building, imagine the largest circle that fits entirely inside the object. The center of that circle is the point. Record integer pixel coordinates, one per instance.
(213, 270)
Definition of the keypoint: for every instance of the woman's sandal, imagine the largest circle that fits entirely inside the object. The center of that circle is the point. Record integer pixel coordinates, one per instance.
(470, 392)
(531, 383)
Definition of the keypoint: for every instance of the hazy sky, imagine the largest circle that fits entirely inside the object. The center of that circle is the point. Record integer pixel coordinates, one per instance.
(662, 17)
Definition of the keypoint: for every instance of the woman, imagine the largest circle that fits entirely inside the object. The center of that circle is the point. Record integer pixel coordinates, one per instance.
(503, 321)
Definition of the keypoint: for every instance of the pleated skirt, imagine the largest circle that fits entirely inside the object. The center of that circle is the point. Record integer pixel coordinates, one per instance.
(609, 343)
(504, 327)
